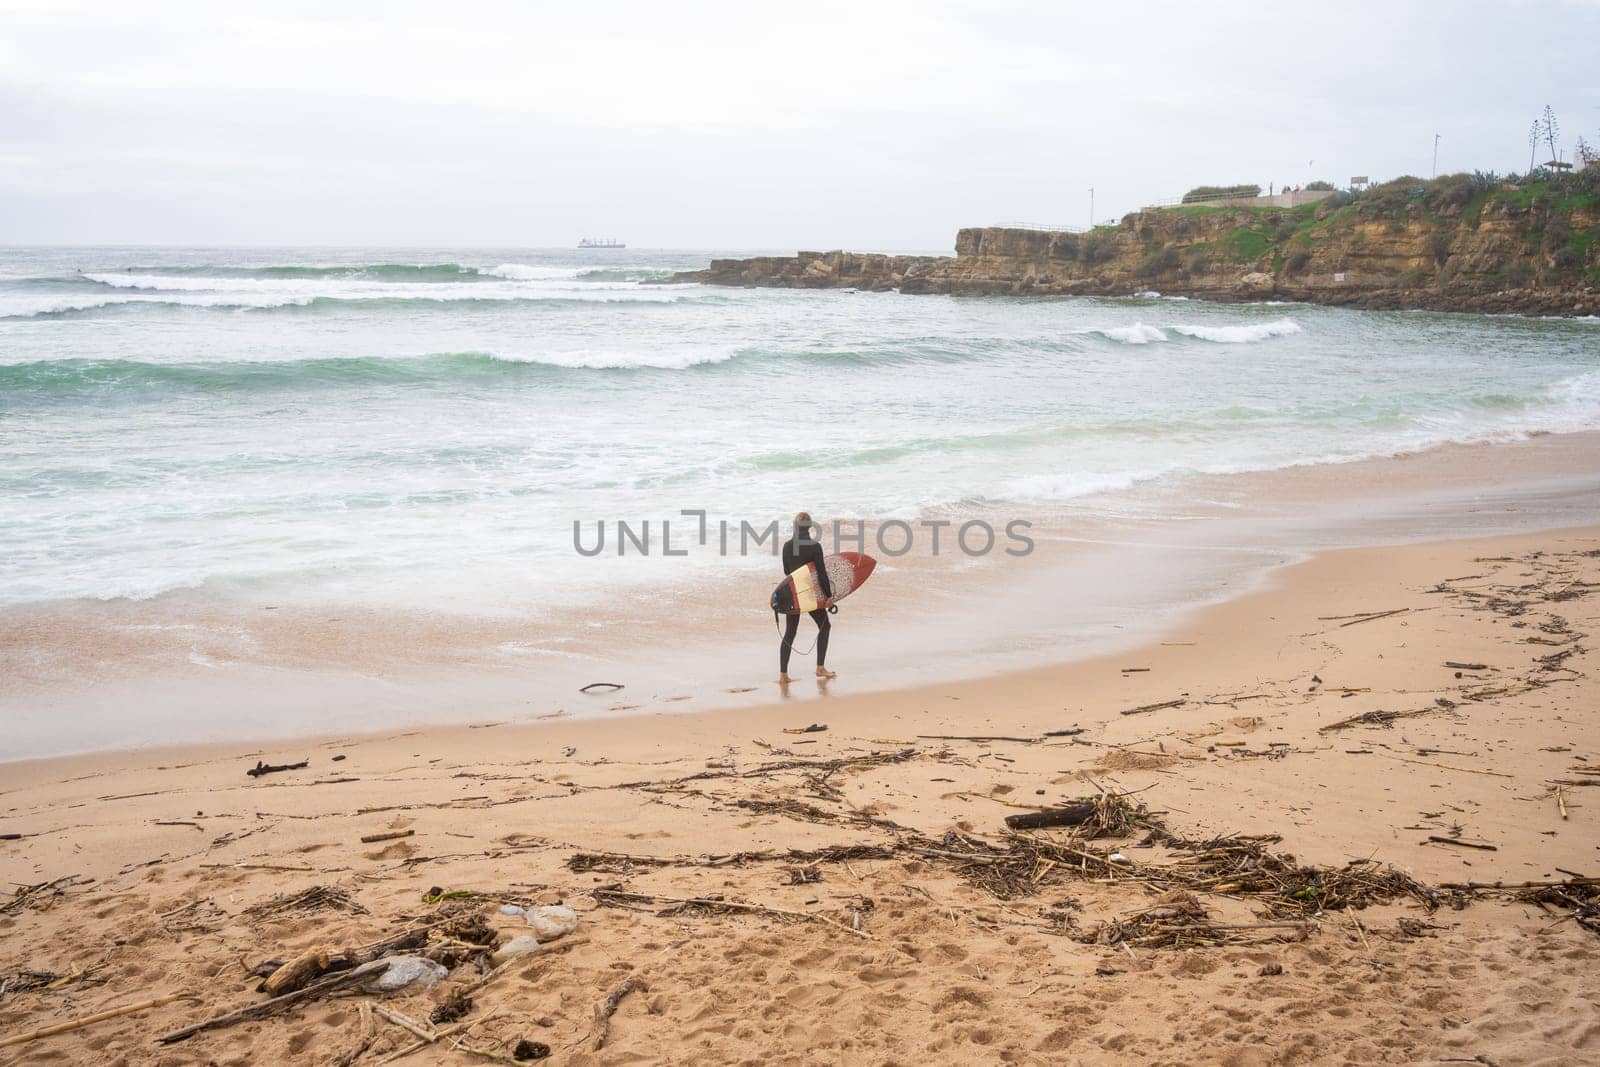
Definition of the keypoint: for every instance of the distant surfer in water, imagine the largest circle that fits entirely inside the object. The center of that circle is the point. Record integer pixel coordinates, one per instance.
(799, 550)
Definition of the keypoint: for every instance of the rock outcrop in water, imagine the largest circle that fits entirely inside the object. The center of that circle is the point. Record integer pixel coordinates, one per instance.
(1461, 243)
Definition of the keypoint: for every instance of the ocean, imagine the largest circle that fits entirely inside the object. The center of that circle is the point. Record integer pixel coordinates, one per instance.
(418, 430)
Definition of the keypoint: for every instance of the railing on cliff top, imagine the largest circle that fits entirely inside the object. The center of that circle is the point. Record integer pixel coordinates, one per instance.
(1061, 228)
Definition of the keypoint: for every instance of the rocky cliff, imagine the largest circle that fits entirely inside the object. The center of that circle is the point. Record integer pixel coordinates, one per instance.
(1457, 243)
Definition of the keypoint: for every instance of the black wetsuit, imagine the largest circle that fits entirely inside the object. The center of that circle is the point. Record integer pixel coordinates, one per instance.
(797, 552)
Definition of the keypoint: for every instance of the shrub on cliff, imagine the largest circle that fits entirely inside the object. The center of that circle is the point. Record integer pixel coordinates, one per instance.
(1096, 246)
(1298, 262)
(1157, 261)
(1392, 198)
(1202, 193)
(1455, 191)
(1319, 187)
(1439, 243)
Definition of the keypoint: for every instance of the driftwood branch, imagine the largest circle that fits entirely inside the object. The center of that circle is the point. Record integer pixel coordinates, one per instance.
(90, 1020)
(604, 1011)
(273, 768)
(1142, 708)
(1070, 815)
(268, 1008)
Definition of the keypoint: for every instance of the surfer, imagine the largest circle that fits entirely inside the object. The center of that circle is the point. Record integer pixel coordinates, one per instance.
(799, 550)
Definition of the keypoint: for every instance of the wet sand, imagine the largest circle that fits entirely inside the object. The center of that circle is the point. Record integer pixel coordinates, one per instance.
(855, 895)
(1108, 572)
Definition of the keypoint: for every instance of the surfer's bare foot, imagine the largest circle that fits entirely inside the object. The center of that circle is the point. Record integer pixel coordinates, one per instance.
(823, 672)
(783, 679)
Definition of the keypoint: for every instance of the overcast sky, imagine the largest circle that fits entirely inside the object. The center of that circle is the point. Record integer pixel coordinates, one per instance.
(862, 124)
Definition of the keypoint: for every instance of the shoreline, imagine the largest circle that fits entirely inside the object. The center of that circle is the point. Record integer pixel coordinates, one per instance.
(1478, 647)
(1133, 574)
(1278, 580)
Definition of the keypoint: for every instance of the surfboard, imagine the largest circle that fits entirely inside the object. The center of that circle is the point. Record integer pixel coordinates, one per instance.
(800, 592)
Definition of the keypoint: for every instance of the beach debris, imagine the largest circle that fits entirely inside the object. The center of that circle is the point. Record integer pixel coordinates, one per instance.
(1362, 616)
(1481, 846)
(805, 875)
(28, 896)
(614, 896)
(298, 972)
(1453, 665)
(1270, 970)
(976, 737)
(610, 687)
(1179, 920)
(454, 1007)
(552, 921)
(306, 902)
(1374, 718)
(273, 768)
(607, 1008)
(1119, 859)
(521, 945)
(90, 1020)
(369, 1034)
(1143, 708)
(392, 835)
(1105, 815)
(28, 981)
(1071, 815)
(268, 1008)
(814, 728)
(525, 1050)
(622, 863)
(405, 972)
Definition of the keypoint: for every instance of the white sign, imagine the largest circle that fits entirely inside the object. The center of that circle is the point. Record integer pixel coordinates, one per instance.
(1338, 275)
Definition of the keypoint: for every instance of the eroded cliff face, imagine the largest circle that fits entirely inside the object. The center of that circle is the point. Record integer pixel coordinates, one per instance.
(1502, 254)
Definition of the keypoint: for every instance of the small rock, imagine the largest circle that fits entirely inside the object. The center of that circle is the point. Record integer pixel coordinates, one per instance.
(404, 972)
(1270, 969)
(513, 909)
(552, 921)
(521, 945)
(1117, 857)
(530, 1050)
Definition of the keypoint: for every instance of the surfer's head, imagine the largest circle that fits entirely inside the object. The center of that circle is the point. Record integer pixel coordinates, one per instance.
(802, 525)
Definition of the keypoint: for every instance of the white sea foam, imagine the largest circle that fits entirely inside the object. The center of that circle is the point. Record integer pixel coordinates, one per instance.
(19, 307)
(1068, 486)
(521, 272)
(1235, 335)
(1137, 334)
(261, 293)
(600, 360)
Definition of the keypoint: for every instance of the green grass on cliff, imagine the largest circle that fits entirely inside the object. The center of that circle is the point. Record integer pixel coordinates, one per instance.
(1550, 211)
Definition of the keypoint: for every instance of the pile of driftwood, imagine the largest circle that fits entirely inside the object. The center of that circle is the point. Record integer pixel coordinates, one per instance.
(1178, 920)
(1576, 898)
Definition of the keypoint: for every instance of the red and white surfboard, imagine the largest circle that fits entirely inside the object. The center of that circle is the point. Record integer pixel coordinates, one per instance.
(800, 591)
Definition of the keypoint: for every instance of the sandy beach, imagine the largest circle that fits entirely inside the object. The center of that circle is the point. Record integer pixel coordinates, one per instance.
(1409, 724)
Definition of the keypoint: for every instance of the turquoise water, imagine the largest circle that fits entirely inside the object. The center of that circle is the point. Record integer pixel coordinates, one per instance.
(425, 425)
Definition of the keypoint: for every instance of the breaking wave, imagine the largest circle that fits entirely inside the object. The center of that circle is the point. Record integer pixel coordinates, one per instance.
(1141, 334)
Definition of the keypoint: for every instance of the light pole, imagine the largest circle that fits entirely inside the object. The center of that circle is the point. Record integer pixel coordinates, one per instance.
(1435, 155)
(1091, 207)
